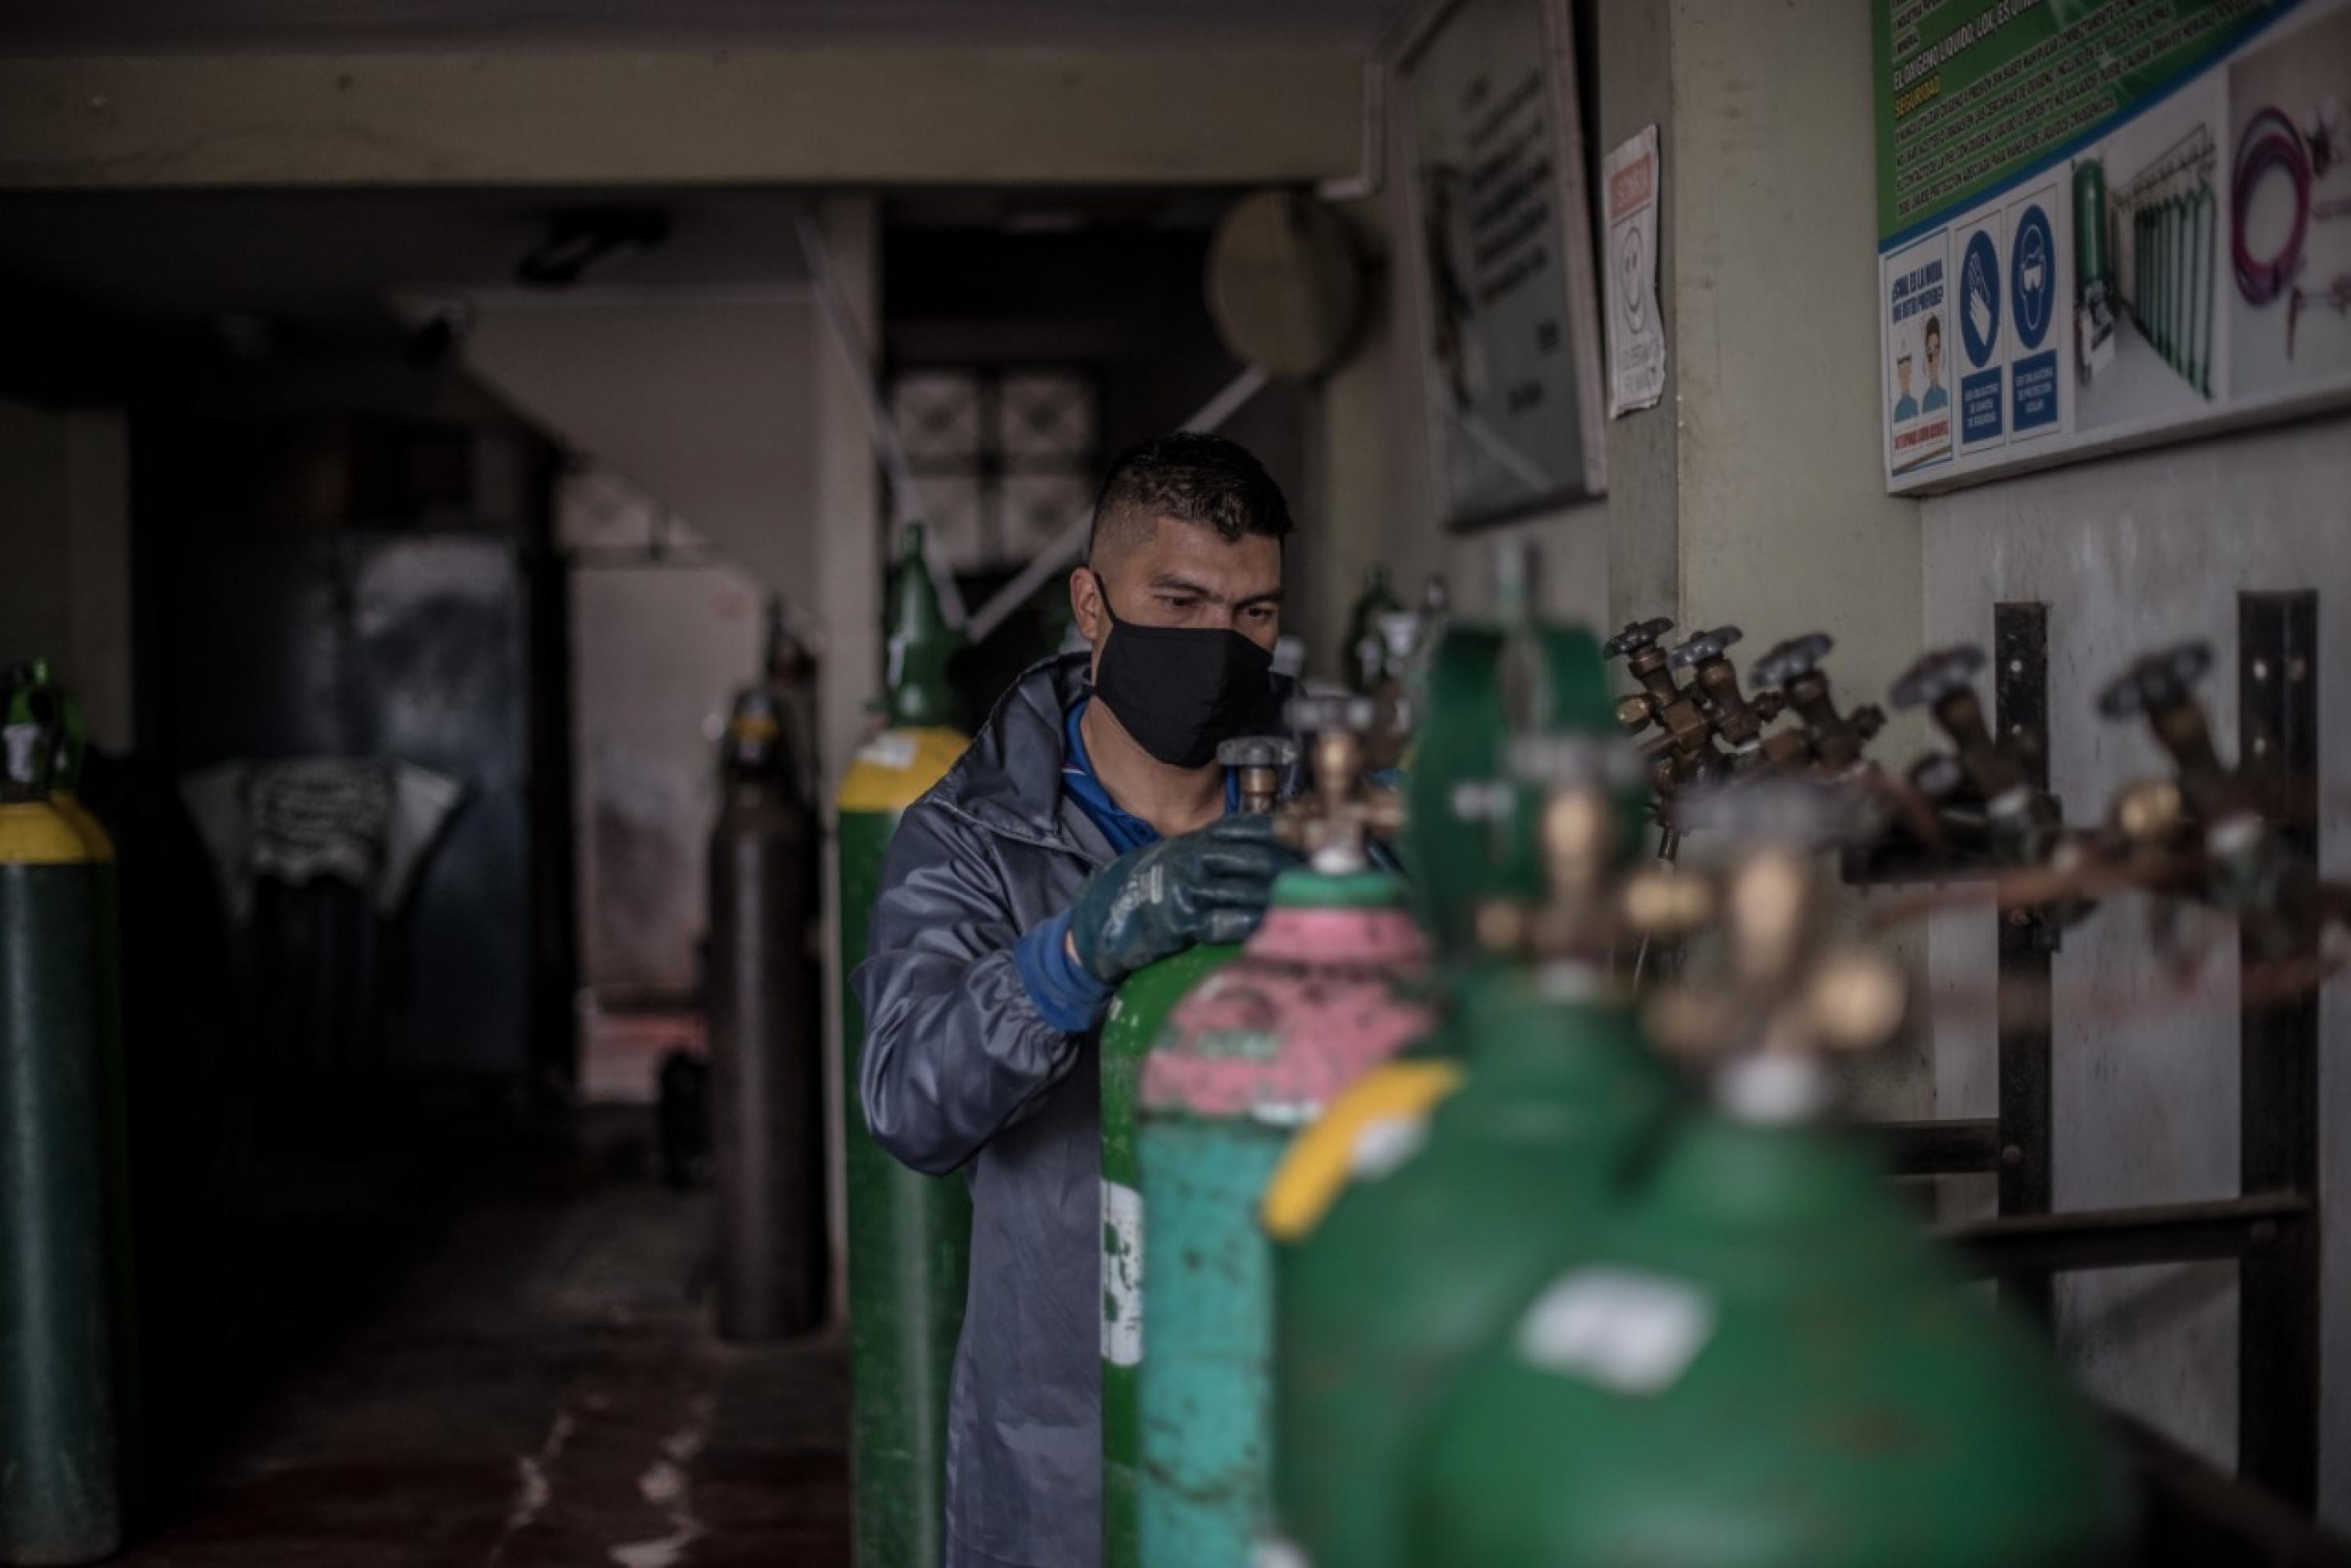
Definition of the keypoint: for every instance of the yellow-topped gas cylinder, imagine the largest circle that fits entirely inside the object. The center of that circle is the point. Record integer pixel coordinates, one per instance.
(61, 1434)
(909, 1234)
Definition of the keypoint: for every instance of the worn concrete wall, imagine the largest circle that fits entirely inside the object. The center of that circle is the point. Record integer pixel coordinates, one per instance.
(1634, 41)
(1370, 434)
(64, 531)
(849, 575)
(659, 647)
(737, 412)
(1785, 526)
(1755, 494)
(704, 400)
(2131, 553)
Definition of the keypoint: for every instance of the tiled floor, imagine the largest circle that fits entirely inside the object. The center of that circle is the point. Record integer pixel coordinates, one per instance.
(505, 1362)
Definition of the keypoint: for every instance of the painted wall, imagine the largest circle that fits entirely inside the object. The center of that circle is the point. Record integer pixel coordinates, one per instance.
(1370, 468)
(65, 530)
(737, 412)
(1754, 494)
(706, 402)
(2131, 553)
(1784, 525)
(659, 645)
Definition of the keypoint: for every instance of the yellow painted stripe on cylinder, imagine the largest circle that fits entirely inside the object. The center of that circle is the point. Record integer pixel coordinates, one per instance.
(35, 833)
(94, 837)
(891, 770)
(1321, 1159)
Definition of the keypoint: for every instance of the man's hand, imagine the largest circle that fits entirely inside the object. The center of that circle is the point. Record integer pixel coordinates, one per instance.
(1152, 903)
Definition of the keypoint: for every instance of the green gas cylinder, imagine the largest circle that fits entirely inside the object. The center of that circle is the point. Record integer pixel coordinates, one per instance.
(2168, 292)
(1137, 1016)
(1453, 1181)
(2089, 224)
(65, 794)
(1367, 648)
(1249, 1055)
(1427, 1205)
(1761, 1360)
(60, 1458)
(909, 1234)
(2206, 214)
(1486, 682)
(1758, 1358)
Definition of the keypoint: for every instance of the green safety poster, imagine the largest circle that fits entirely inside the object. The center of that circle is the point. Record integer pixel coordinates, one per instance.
(2101, 222)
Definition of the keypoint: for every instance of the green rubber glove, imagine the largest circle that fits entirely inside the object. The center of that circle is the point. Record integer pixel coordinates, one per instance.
(1210, 886)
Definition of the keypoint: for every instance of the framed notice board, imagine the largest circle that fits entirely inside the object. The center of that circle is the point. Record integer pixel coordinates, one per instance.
(2103, 224)
(1502, 259)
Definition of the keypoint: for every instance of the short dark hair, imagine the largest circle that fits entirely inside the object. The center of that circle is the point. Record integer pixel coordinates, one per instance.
(1192, 478)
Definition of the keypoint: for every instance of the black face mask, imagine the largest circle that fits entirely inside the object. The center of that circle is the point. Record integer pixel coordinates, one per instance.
(1178, 689)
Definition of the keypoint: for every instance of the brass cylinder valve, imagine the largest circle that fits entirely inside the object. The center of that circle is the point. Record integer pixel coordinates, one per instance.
(1793, 669)
(1685, 751)
(1583, 790)
(1706, 655)
(1943, 682)
(2161, 686)
(1333, 823)
(2021, 822)
(1780, 991)
(1259, 762)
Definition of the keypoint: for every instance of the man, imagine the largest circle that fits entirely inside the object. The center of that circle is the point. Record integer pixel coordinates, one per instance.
(1906, 407)
(1084, 834)
(1936, 397)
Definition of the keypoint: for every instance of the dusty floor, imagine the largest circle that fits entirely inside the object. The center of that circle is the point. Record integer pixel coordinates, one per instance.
(497, 1362)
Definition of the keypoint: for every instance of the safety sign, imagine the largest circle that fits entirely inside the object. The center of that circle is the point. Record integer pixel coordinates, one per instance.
(2104, 223)
(1918, 310)
(1636, 337)
(2032, 275)
(1982, 377)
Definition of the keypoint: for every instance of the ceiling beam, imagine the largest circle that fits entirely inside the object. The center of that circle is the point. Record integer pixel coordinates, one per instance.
(817, 117)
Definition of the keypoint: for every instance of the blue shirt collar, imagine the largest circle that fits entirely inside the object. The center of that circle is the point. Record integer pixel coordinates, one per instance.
(1123, 828)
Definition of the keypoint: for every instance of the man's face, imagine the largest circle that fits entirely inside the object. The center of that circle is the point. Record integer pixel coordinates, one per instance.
(1934, 356)
(1185, 574)
(1902, 374)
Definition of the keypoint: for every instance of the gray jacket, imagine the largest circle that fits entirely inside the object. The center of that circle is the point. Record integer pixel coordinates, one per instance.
(960, 1073)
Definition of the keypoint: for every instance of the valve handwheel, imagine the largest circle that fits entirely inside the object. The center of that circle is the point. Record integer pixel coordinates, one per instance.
(1938, 674)
(1636, 636)
(1702, 646)
(1786, 810)
(1573, 760)
(1310, 714)
(1937, 774)
(2155, 680)
(1792, 660)
(1258, 752)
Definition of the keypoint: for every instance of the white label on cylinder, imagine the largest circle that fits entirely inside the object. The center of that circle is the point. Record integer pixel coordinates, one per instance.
(1122, 1274)
(889, 750)
(1277, 1551)
(1385, 1143)
(1629, 1332)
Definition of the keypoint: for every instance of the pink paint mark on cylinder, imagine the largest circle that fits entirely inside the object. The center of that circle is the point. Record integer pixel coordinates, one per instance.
(1308, 1006)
